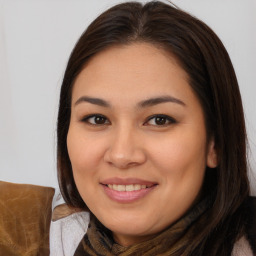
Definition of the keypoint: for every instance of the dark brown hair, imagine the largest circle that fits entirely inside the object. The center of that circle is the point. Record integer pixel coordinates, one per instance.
(211, 75)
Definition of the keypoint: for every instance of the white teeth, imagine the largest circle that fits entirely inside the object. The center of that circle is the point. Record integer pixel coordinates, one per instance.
(137, 187)
(121, 187)
(131, 187)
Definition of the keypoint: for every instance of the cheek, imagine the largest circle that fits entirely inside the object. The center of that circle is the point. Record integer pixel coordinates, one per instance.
(85, 156)
(181, 160)
(84, 152)
(179, 150)
(181, 164)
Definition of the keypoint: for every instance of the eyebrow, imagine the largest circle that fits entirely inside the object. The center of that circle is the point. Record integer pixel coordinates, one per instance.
(158, 100)
(145, 103)
(95, 101)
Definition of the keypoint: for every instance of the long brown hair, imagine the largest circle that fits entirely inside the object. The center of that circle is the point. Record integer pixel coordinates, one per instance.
(211, 75)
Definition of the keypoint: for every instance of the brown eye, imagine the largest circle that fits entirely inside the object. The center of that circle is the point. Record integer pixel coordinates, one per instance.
(96, 120)
(99, 120)
(160, 120)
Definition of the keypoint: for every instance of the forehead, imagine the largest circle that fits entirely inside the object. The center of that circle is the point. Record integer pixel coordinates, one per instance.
(134, 70)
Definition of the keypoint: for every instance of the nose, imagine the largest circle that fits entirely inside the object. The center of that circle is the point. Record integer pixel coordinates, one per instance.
(125, 150)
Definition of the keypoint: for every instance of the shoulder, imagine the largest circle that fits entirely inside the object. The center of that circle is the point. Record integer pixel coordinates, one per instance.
(242, 248)
(246, 245)
(25, 215)
(68, 227)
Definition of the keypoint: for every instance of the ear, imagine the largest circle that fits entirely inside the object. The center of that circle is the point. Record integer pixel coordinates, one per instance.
(212, 157)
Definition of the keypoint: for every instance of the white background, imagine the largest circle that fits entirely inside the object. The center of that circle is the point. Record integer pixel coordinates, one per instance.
(36, 38)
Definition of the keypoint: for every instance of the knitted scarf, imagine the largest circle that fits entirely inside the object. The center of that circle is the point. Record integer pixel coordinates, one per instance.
(98, 240)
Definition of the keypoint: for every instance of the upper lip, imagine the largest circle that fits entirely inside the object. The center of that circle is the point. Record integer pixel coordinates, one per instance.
(127, 181)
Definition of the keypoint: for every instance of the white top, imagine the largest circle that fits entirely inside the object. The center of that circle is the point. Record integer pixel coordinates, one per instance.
(66, 233)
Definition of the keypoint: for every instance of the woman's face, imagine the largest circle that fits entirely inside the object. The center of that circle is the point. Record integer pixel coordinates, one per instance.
(137, 141)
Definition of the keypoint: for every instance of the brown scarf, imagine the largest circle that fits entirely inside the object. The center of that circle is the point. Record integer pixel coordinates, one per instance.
(98, 239)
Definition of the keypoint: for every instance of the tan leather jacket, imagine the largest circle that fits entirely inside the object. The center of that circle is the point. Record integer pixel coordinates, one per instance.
(25, 216)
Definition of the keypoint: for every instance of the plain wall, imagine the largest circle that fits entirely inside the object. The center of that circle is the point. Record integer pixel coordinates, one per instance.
(36, 38)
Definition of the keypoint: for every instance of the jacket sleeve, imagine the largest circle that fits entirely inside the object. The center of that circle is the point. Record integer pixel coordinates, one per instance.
(25, 215)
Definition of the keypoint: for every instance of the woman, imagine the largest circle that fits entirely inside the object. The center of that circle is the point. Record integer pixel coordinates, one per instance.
(151, 140)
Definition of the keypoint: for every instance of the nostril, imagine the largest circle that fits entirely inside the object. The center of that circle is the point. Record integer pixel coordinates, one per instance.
(124, 157)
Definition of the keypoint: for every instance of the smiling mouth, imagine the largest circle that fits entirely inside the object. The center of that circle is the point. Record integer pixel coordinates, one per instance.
(127, 193)
(130, 187)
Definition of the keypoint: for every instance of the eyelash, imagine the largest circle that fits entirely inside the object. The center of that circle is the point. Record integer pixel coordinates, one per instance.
(103, 119)
(166, 118)
(86, 119)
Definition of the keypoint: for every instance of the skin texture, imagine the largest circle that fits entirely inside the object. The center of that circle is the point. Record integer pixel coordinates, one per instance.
(129, 143)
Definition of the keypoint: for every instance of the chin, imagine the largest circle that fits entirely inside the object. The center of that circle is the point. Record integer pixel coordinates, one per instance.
(131, 226)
